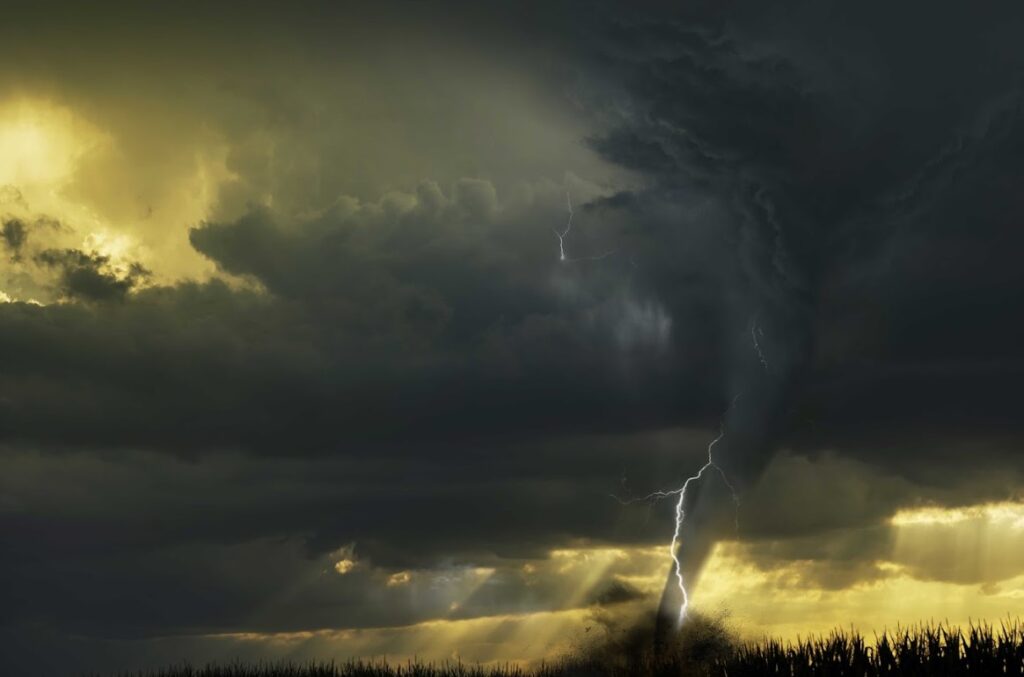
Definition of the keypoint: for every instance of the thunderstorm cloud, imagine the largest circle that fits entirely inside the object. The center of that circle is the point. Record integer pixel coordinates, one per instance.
(286, 345)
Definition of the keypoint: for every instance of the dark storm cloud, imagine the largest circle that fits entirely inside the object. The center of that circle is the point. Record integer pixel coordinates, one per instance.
(616, 592)
(90, 276)
(14, 234)
(866, 180)
(418, 355)
(424, 316)
(870, 183)
(184, 546)
(418, 375)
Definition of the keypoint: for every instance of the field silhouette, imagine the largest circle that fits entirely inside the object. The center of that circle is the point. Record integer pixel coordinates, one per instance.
(707, 648)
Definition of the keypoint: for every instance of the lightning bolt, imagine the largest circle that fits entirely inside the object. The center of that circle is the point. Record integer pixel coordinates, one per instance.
(680, 509)
(561, 235)
(675, 547)
(568, 226)
(757, 333)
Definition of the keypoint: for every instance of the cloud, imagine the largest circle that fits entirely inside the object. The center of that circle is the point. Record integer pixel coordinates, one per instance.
(616, 592)
(352, 316)
(834, 214)
(14, 234)
(333, 348)
(90, 276)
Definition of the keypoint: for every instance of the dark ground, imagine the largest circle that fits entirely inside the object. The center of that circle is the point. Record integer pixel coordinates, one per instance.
(707, 648)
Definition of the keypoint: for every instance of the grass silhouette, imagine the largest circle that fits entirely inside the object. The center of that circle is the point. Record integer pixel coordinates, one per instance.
(706, 648)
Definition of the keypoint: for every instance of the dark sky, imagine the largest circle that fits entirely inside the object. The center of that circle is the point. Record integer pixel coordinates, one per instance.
(282, 290)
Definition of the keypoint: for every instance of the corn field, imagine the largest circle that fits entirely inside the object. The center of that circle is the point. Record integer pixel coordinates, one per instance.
(980, 650)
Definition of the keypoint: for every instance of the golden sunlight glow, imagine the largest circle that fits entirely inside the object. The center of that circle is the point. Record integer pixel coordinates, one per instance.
(1004, 512)
(584, 568)
(344, 566)
(399, 578)
(784, 598)
(49, 166)
(587, 567)
(781, 603)
(937, 564)
(516, 639)
(42, 143)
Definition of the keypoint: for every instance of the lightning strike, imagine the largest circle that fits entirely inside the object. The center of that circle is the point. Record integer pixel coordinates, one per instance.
(757, 333)
(680, 510)
(674, 548)
(568, 226)
(561, 235)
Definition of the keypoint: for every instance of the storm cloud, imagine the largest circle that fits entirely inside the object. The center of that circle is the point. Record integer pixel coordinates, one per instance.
(329, 321)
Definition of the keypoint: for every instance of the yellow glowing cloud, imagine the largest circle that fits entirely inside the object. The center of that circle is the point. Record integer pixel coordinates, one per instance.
(399, 578)
(58, 165)
(42, 144)
(769, 604)
(942, 564)
(781, 599)
(1003, 512)
(344, 566)
(518, 639)
(584, 568)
